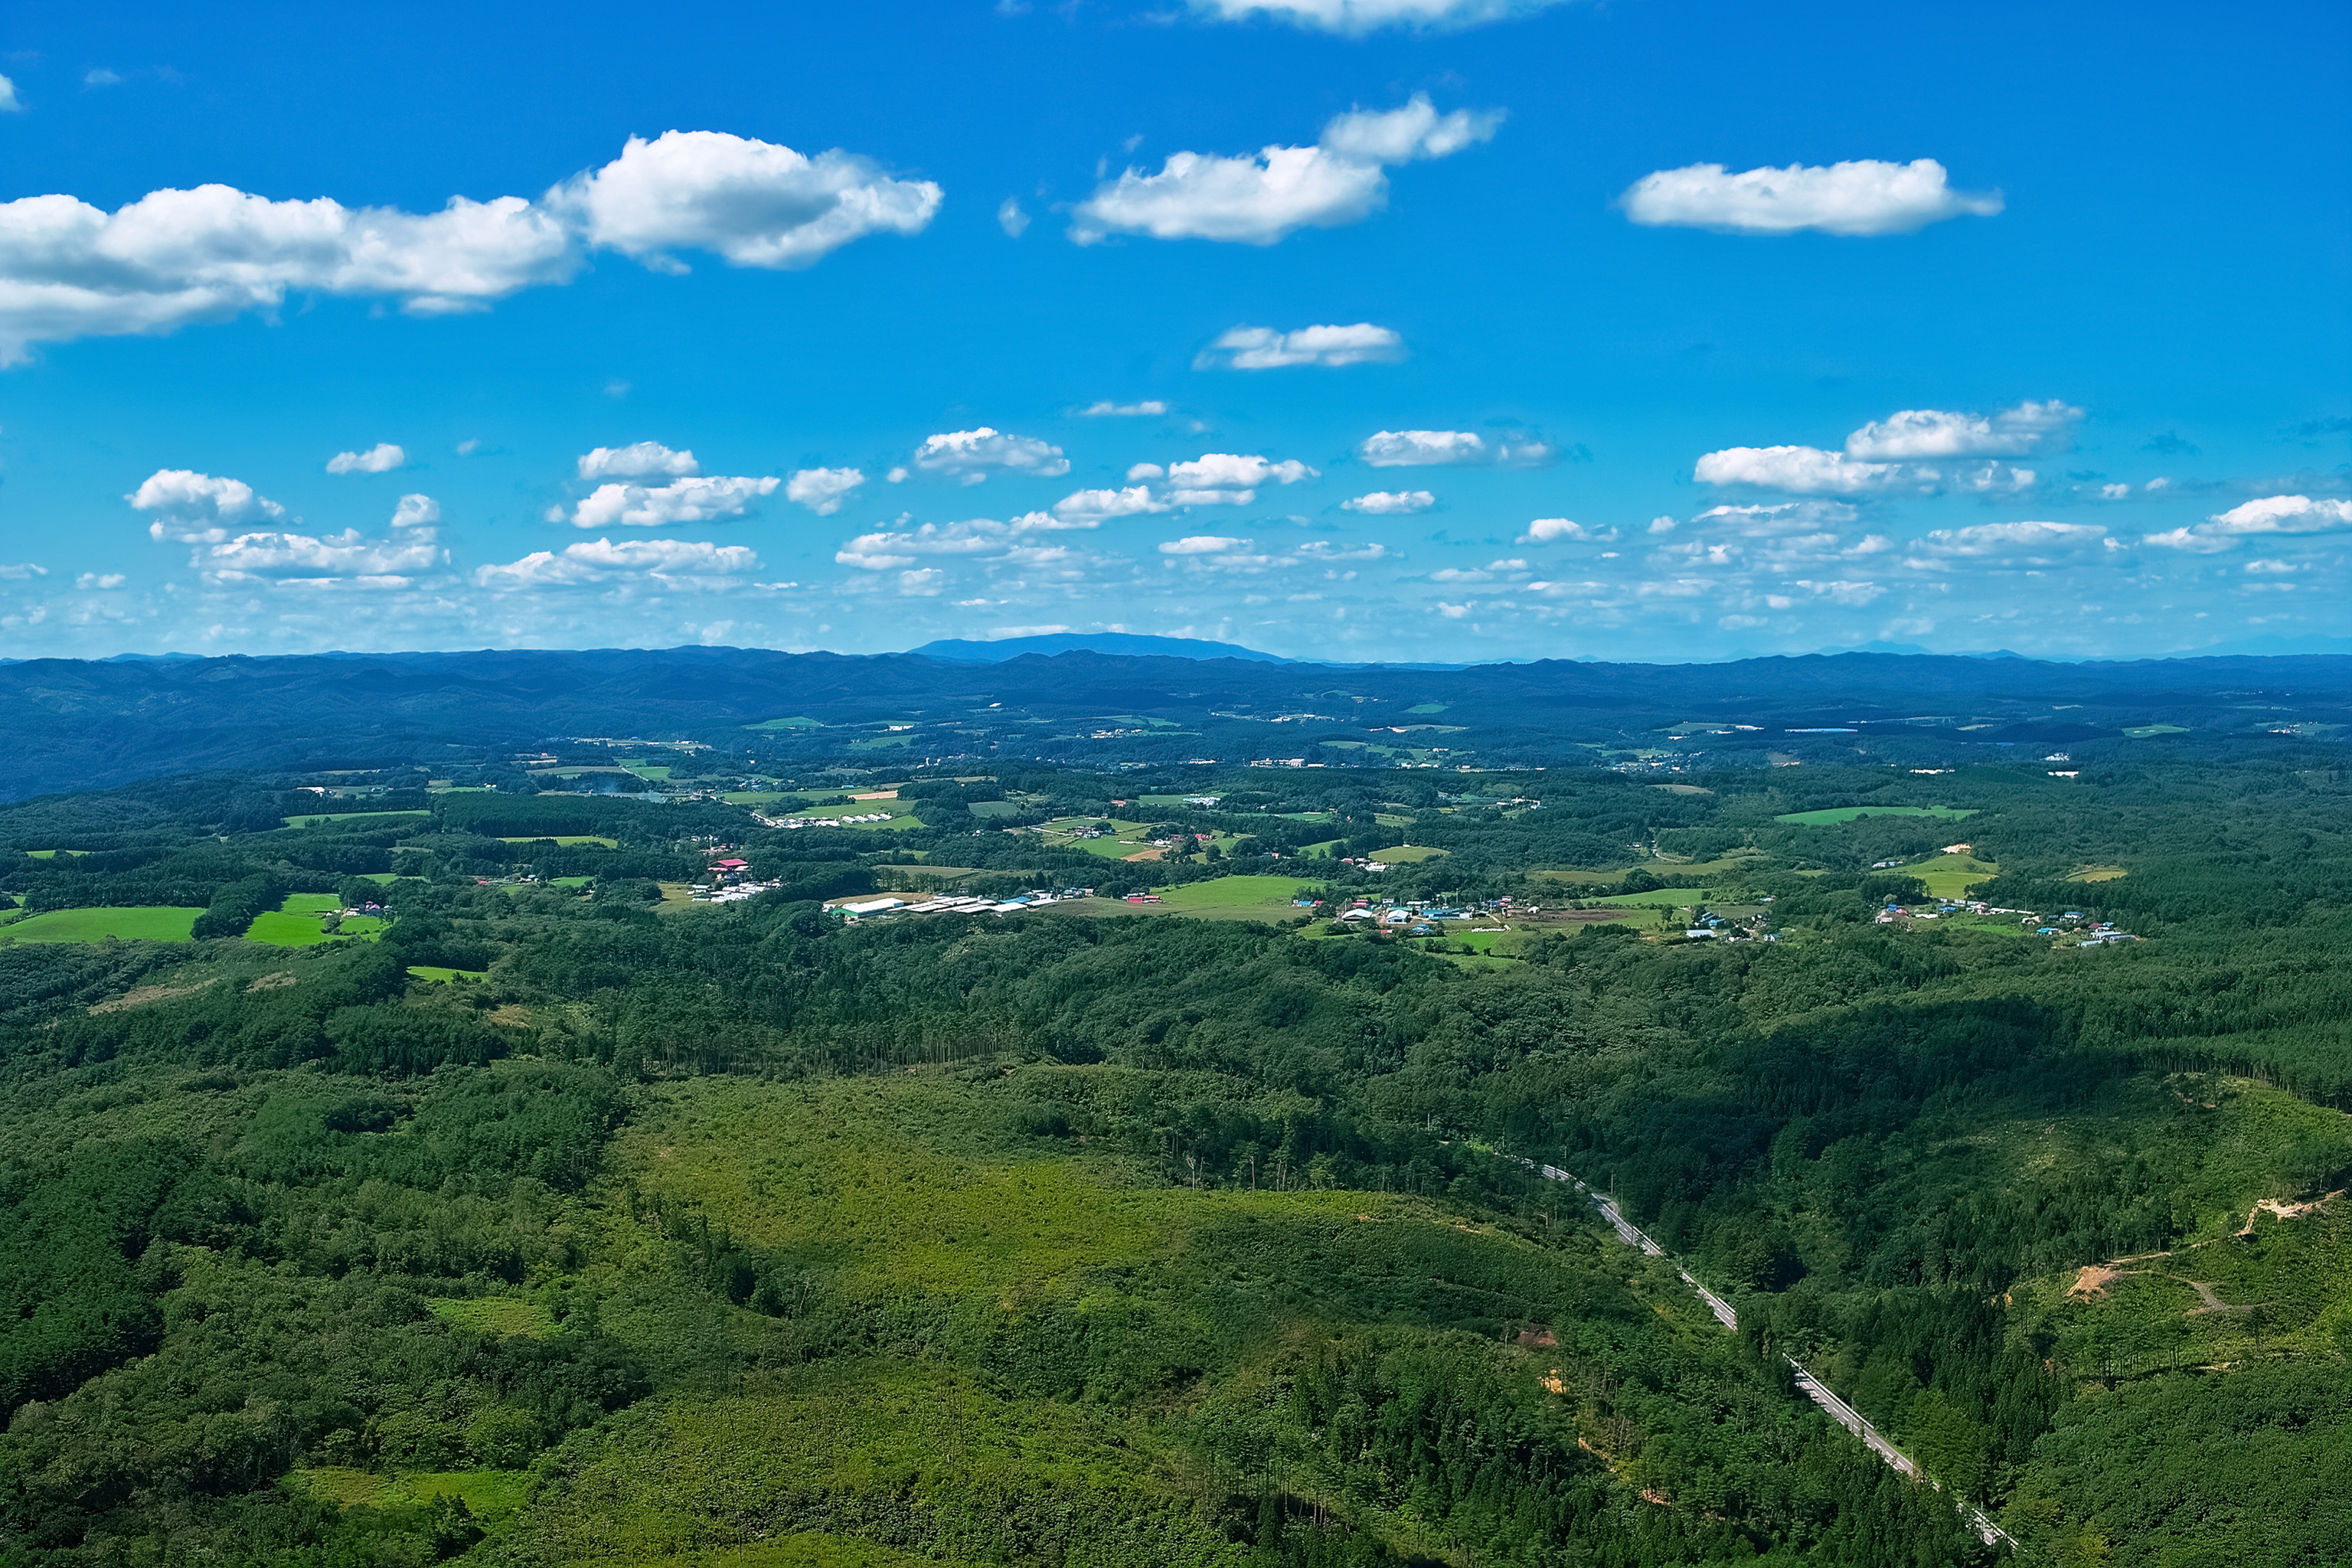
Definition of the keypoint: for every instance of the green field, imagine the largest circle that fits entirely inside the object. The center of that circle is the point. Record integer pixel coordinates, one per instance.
(1408, 854)
(320, 819)
(567, 840)
(489, 1495)
(1829, 816)
(53, 853)
(150, 924)
(296, 923)
(795, 722)
(434, 974)
(1951, 875)
(1232, 899)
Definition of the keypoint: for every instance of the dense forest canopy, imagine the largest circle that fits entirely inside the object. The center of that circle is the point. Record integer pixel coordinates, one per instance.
(556, 1213)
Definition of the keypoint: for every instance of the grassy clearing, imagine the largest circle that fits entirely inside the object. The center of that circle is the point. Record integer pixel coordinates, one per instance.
(53, 853)
(434, 974)
(1409, 855)
(321, 820)
(796, 722)
(1951, 875)
(489, 1495)
(299, 922)
(505, 1316)
(567, 840)
(1232, 899)
(147, 923)
(1829, 816)
(2098, 873)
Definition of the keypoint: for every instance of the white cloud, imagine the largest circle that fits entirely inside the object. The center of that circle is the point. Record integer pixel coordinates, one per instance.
(1011, 219)
(1257, 199)
(379, 458)
(1390, 503)
(191, 507)
(1802, 470)
(1106, 409)
(1865, 197)
(1461, 574)
(94, 579)
(1090, 507)
(2271, 568)
(1357, 17)
(2269, 515)
(1662, 525)
(1842, 592)
(661, 505)
(671, 562)
(306, 558)
(416, 511)
(971, 453)
(638, 461)
(9, 102)
(22, 571)
(1266, 348)
(1915, 433)
(823, 491)
(888, 549)
(922, 584)
(1145, 471)
(1551, 530)
(2036, 542)
(1424, 448)
(69, 270)
(754, 203)
(1203, 544)
(1226, 469)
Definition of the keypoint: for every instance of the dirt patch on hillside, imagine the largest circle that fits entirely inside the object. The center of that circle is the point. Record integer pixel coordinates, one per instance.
(141, 995)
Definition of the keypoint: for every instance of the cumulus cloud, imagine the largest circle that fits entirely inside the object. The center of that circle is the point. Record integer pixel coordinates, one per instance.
(1864, 197)
(2269, 515)
(93, 580)
(69, 270)
(1090, 507)
(674, 563)
(379, 458)
(822, 490)
(318, 559)
(661, 505)
(1011, 219)
(1203, 544)
(190, 506)
(1390, 503)
(1886, 455)
(416, 511)
(22, 571)
(2035, 543)
(1106, 409)
(1266, 348)
(887, 549)
(1257, 199)
(9, 102)
(754, 203)
(1357, 17)
(1427, 449)
(1930, 432)
(971, 453)
(1551, 530)
(638, 461)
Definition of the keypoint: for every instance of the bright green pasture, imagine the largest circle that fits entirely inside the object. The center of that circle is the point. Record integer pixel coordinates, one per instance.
(147, 923)
(434, 974)
(489, 1495)
(567, 840)
(1829, 816)
(1408, 854)
(53, 853)
(320, 819)
(296, 922)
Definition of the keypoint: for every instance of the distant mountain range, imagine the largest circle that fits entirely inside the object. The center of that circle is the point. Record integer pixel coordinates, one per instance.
(79, 724)
(963, 650)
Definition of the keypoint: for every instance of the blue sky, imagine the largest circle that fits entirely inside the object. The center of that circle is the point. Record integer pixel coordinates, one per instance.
(1394, 328)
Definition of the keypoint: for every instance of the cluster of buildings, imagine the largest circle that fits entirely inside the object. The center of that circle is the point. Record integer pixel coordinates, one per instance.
(820, 821)
(1417, 917)
(856, 909)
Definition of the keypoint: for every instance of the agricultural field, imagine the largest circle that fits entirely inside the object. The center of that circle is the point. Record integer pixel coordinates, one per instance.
(353, 819)
(296, 922)
(1951, 875)
(1249, 897)
(150, 925)
(1830, 816)
(563, 840)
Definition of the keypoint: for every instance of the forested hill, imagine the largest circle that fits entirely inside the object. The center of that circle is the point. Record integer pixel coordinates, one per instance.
(76, 725)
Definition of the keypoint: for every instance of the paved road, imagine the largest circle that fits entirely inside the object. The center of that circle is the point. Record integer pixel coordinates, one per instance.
(1838, 1410)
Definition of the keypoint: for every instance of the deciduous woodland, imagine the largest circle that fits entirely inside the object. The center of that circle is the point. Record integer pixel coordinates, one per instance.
(554, 1215)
